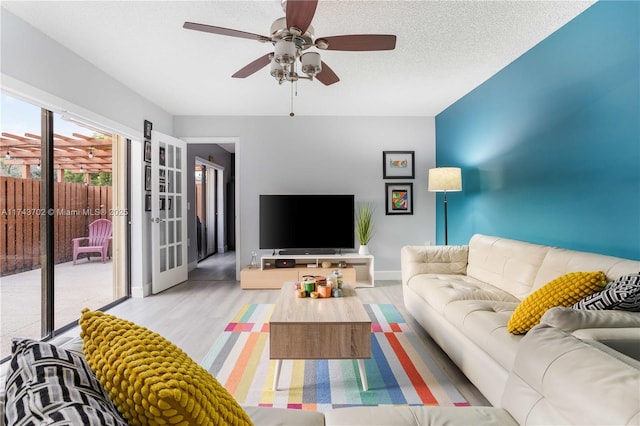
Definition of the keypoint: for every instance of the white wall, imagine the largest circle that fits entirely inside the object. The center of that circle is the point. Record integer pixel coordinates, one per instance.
(40, 70)
(33, 59)
(327, 155)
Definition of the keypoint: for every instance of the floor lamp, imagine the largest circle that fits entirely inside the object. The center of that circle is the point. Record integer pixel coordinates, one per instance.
(443, 179)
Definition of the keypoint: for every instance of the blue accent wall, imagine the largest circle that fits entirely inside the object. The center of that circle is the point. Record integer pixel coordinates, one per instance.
(550, 146)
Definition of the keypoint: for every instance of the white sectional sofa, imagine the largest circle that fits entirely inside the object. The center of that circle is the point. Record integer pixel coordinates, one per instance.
(464, 296)
(575, 367)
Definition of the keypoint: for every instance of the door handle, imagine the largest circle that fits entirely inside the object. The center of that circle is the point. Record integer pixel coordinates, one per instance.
(156, 220)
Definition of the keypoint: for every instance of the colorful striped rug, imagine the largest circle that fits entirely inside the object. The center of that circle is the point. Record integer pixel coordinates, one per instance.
(400, 371)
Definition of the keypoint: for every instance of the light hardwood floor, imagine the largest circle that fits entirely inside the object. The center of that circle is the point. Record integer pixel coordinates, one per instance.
(193, 314)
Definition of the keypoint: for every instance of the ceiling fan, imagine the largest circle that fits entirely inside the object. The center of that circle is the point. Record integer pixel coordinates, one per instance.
(292, 35)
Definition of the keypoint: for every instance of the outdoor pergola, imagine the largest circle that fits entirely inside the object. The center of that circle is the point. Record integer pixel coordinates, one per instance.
(77, 153)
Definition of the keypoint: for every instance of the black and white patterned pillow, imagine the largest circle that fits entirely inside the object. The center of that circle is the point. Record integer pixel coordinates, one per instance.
(49, 385)
(622, 294)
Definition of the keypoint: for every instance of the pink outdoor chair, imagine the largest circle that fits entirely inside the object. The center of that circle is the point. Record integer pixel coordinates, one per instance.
(98, 240)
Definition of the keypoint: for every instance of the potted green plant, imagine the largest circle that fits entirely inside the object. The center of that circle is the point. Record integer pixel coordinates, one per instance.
(364, 226)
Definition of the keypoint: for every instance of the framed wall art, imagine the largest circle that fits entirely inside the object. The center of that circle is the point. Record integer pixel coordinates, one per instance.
(399, 198)
(147, 129)
(147, 151)
(398, 165)
(147, 178)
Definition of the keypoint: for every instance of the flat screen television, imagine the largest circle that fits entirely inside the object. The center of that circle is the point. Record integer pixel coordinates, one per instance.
(307, 224)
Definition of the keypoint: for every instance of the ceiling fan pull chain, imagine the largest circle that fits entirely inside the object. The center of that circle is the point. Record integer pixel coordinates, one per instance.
(291, 114)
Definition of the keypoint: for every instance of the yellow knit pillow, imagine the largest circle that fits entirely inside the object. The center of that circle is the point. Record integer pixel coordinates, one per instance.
(152, 381)
(563, 291)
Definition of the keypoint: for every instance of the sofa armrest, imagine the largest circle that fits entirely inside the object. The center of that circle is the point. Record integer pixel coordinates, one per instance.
(570, 319)
(560, 379)
(417, 260)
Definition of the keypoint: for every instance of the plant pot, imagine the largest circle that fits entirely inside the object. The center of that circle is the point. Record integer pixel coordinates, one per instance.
(364, 249)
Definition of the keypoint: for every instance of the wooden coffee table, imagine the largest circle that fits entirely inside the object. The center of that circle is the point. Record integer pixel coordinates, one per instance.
(329, 328)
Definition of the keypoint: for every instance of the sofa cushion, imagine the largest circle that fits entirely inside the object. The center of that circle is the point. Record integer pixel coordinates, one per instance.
(268, 416)
(151, 380)
(484, 322)
(440, 290)
(507, 264)
(622, 294)
(50, 385)
(418, 416)
(559, 261)
(562, 291)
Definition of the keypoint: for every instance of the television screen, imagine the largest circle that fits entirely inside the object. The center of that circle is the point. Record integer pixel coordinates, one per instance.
(307, 222)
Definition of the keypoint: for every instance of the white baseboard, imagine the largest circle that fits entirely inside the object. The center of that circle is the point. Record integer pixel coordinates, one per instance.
(141, 292)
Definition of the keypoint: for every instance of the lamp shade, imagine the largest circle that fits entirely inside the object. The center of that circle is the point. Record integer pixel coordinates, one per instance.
(445, 179)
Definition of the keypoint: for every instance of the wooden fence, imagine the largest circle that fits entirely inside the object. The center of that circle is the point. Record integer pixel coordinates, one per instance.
(75, 206)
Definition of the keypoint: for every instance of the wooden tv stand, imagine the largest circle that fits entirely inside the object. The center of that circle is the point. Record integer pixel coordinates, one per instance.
(359, 270)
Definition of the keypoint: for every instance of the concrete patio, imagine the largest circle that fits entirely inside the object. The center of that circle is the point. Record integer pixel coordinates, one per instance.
(86, 284)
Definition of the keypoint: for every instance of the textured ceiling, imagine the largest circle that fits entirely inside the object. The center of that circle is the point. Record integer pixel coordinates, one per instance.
(444, 49)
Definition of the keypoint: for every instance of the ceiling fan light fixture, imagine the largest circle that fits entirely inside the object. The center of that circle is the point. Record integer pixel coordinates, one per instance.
(277, 71)
(285, 52)
(311, 63)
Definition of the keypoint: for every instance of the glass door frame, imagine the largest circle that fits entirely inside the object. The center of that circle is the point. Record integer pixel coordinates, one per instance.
(47, 231)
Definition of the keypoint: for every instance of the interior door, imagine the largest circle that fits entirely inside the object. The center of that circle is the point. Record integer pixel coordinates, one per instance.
(168, 211)
(212, 210)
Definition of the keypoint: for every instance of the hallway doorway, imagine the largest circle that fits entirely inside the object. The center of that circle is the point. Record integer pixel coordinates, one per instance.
(210, 211)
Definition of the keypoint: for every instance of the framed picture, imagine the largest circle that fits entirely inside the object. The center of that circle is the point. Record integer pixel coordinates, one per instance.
(161, 158)
(399, 198)
(147, 151)
(162, 203)
(147, 202)
(147, 178)
(148, 126)
(398, 165)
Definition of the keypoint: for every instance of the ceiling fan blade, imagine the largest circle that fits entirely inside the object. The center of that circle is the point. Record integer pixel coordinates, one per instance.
(357, 42)
(327, 76)
(224, 31)
(300, 13)
(254, 66)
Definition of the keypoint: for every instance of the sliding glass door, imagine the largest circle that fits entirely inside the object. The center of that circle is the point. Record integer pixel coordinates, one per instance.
(64, 222)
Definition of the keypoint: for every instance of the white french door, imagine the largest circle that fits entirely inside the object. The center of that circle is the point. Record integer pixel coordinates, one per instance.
(168, 211)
